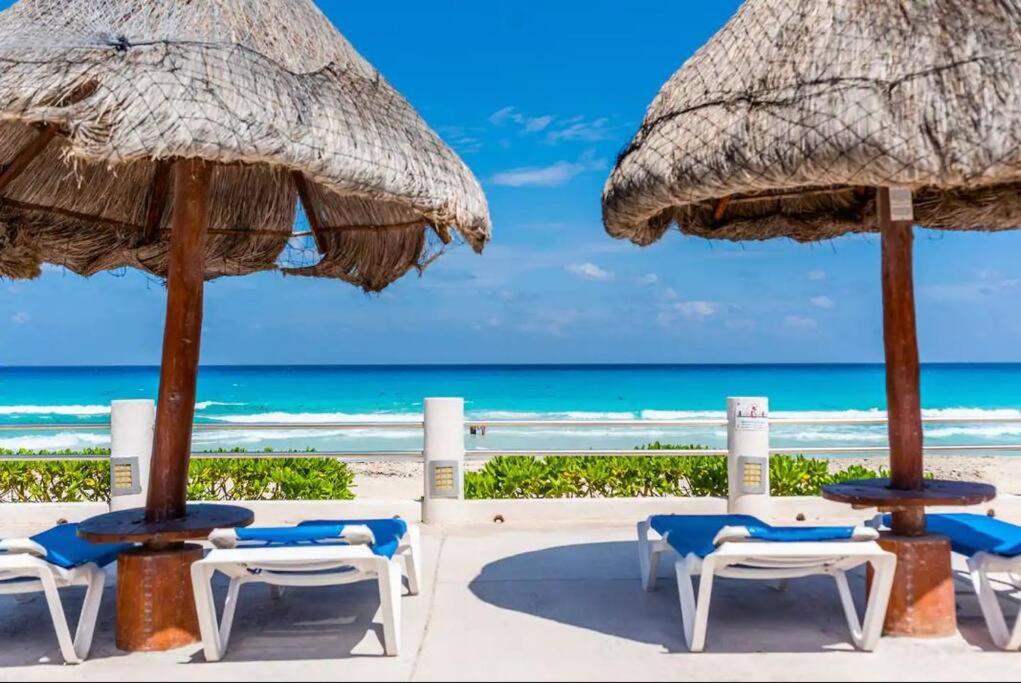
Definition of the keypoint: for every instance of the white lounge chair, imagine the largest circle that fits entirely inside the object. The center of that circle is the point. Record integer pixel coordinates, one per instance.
(743, 547)
(991, 546)
(311, 554)
(57, 559)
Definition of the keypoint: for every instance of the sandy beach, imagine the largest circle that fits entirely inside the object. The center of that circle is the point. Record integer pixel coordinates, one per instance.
(403, 480)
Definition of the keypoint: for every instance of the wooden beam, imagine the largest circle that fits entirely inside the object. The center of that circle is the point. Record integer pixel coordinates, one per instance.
(168, 476)
(156, 203)
(721, 209)
(903, 392)
(72, 215)
(26, 155)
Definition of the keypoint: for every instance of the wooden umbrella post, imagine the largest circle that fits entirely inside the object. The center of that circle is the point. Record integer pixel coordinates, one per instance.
(175, 412)
(903, 395)
(155, 603)
(922, 601)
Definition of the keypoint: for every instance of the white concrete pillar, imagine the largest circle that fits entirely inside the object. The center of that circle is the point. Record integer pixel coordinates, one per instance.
(444, 460)
(131, 433)
(748, 455)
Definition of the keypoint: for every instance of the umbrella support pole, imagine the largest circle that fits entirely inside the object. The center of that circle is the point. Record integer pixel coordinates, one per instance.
(900, 339)
(155, 605)
(922, 601)
(175, 411)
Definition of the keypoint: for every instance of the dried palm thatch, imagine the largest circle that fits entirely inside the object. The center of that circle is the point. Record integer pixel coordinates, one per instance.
(785, 122)
(98, 97)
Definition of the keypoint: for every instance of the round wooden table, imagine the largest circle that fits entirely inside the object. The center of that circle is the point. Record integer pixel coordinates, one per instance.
(922, 600)
(155, 603)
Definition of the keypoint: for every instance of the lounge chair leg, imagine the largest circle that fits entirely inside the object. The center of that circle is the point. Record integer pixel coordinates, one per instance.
(389, 578)
(694, 612)
(86, 629)
(850, 611)
(58, 618)
(205, 606)
(412, 559)
(996, 622)
(648, 559)
(230, 608)
(875, 607)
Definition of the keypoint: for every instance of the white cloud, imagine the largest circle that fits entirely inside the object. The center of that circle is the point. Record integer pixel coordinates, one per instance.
(554, 175)
(648, 279)
(741, 324)
(528, 124)
(491, 323)
(20, 318)
(462, 139)
(798, 322)
(697, 310)
(986, 283)
(588, 271)
(551, 323)
(537, 124)
(503, 116)
(822, 302)
(817, 275)
(579, 129)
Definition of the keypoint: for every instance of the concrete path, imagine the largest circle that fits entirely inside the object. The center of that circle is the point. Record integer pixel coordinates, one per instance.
(523, 602)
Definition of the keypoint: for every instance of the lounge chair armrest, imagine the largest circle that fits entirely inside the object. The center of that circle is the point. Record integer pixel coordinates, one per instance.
(352, 534)
(794, 534)
(23, 546)
(223, 538)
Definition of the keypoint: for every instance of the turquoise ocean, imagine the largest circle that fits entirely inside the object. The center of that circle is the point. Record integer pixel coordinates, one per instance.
(310, 395)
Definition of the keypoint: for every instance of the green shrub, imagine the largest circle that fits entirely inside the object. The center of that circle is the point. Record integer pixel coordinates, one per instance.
(269, 479)
(58, 481)
(652, 476)
(211, 479)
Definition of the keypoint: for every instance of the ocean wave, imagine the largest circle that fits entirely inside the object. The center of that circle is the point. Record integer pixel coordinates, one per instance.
(71, 410)
(314, 418)
(204, 405)
(289, 434)
(55, 442)
(555, 415)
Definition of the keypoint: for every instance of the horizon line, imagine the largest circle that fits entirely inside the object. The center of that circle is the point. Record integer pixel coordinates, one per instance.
(77, 366)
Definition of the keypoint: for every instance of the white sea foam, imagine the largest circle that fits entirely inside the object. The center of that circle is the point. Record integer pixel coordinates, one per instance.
(55, 442)
(314, 418)
(203, 405)
(69, 410)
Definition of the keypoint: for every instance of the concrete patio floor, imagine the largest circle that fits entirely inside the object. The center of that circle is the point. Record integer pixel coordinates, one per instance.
(523, 602)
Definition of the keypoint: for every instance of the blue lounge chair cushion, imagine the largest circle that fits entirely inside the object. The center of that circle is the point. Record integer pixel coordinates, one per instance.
(970, 533)
(694, 534)
(387, 532)
(65, 550)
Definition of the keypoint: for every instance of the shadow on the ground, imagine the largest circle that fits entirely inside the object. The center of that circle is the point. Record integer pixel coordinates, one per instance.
(595, 586)
(27, 630)
(333, 622)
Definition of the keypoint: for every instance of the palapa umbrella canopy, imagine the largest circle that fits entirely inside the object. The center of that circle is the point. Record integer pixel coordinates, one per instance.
(784, 122)
(178, 137)
(809, 119)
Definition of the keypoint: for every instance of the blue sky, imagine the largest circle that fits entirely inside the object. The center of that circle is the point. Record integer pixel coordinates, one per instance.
(538, 98)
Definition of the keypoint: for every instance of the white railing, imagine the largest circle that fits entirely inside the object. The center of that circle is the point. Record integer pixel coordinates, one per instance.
(488, 425)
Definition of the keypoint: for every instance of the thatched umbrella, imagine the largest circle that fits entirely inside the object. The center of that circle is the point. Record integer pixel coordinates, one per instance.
(178, 138)
(809, 119)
